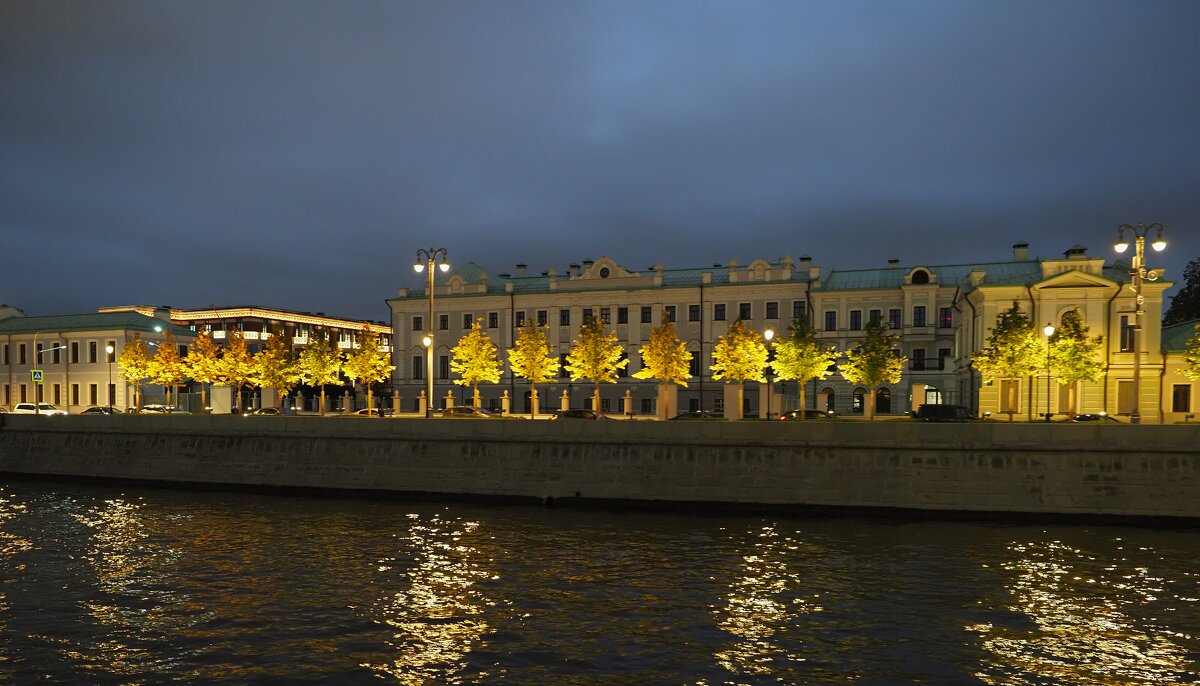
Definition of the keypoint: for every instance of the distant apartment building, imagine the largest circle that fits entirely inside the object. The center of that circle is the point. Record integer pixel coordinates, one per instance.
(943, 314)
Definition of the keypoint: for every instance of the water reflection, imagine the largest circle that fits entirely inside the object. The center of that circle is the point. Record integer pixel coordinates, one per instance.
(137, 600)
(759, 609)
(1082, 623)
(438, 617)
(10, 545)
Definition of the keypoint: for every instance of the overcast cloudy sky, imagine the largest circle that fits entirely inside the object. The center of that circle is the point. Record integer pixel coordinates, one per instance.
(296, 154)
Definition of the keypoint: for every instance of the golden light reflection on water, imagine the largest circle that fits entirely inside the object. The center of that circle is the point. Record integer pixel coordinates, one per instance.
(438, 616)
(757, 610)
(136, 602)
(10, 544)
(1082, 630)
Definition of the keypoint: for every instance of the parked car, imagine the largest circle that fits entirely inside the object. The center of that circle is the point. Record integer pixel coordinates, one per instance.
(101, 410)
(466, 412)
(265, 412)
(930, 412)
(795, 415)
(695, 414)
(374, 411)
(1089, 417)
(155, 408)
(577, 414)
(42, 408)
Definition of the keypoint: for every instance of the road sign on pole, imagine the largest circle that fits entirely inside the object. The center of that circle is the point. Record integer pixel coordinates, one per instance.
(37, 375)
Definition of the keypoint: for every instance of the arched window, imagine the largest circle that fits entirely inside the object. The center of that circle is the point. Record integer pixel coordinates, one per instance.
(883, 401)
(830, 398)
(856, 401)
(920, 276)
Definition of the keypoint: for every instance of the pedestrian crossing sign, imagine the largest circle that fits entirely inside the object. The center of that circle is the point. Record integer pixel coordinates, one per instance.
(37, 375)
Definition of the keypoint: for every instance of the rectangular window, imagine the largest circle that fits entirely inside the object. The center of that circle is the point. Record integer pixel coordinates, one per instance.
(37, 354)
(894, 318)
(57, 395)
(855, 320)
(830, 320)
(587, 315)
(622, 315)
(624, 371)
(719, 312)
(5, 353)
(647, 406)
(1181, 397)
(669, 313)
(694, 366)
(520, 317)
(719, 405)
(1126, 334)
(918, 359)
(21, 353)
(773, 310)
(443, 366)
(74, 394)
(943, 355)
(92, 397)
(24, 397)
(564, 317)
(55, 357)
(112, 394)
(493, 320)
(919, 316)
(1010, 395)
(468, 320)
(418, 323)
(111, 357)
(605, 406)
(744, 311)
(799, 309)
(693, 313)
(92, 352)
(646, 317)
(874, 316)
(543, 317)
(562, 366)
(945, 318)
(418, 367)
(605, 315)
(444, 322)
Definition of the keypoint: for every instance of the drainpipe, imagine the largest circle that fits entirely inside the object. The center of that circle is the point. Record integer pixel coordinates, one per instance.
(1108, 313)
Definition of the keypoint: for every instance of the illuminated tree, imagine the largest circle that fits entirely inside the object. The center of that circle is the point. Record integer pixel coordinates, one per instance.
(1073, 356)
(134, 363)
(320, 364)
(665, 357)
(595, 356)
(530, 357)
(1191, 357)
(370, 362)
(236, 366)
(873, 362)
(167, 367)
(803, 357)
(1013, 351)
(203, 363)
(276, 368)
(475, 360)
(739, 356)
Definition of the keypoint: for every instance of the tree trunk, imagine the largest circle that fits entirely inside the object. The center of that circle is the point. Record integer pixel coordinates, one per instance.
(203, 398)
(596, 399)
(871, 403)
(532, 399)
(322, 400)
(741, 400)
(368, 387)
(801, 385)
(475, 396)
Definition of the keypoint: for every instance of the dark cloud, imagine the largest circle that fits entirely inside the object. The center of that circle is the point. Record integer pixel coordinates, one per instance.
(296, 154)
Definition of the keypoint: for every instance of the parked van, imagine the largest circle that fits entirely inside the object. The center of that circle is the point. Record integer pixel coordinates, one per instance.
(943, 413)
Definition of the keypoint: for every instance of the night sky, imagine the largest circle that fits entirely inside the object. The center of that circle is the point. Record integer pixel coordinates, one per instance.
(297, 154)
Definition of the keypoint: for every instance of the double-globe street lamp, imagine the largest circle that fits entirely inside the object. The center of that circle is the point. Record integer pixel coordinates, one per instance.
(1048, 329)
(1138, 272)
(430, 256)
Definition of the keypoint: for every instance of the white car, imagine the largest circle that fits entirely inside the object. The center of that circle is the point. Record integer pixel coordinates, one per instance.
(42, 408)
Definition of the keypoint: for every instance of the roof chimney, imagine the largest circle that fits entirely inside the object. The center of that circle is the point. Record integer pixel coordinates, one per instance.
(573, 270)
(1020, 251)
(1076, 252)
(520, 270)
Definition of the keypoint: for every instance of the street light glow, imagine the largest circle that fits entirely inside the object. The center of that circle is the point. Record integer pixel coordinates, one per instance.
(418, 267)
(445, 267)
(1049, 329)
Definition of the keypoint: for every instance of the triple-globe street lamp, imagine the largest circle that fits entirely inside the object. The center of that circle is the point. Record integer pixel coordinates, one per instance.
(1139, 273)
(430, 257)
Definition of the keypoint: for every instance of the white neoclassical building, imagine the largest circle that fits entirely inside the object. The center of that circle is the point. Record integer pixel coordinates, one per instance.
(942, 313)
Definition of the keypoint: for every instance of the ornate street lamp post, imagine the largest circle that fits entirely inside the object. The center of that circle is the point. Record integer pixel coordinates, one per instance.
(109, 393)
(1138, 273)
(430, 256)
(769, 334)
(1049, 331)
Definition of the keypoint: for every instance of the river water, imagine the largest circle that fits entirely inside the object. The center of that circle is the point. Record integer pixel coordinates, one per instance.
(102, 584)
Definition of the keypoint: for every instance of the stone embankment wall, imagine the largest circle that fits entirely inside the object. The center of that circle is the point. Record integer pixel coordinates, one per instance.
(1149, 470)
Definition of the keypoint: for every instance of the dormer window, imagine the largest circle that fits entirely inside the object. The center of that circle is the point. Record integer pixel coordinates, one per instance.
(920, 276)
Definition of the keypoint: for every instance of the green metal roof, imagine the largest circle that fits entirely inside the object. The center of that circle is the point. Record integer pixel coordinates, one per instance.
(1176, 336)
(94, 321)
